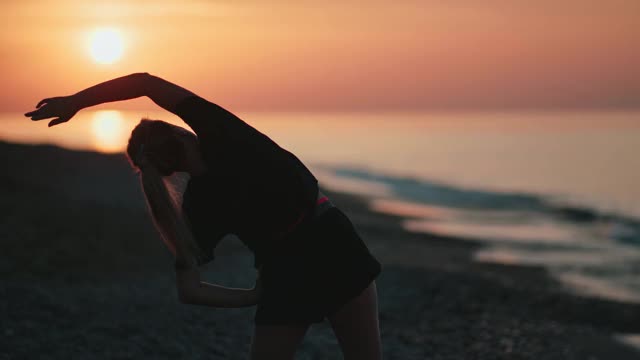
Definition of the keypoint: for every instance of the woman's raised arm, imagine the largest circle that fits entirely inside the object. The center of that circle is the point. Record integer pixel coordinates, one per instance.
(164, 93)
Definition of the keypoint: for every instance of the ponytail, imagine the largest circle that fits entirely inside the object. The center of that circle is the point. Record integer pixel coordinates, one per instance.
(168, 219)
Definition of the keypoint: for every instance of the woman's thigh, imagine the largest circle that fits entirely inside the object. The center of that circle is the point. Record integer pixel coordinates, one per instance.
(356, 326)
(276, 341)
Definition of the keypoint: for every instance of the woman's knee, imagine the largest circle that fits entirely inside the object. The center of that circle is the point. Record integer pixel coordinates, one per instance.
(357, 328)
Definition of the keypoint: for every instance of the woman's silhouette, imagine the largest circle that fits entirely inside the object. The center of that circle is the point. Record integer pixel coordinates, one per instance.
(312, 263)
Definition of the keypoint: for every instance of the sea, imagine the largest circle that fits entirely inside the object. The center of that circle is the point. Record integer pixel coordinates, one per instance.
(558, 189)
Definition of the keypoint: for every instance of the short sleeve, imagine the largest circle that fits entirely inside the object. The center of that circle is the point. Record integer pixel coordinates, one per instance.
(204, 117)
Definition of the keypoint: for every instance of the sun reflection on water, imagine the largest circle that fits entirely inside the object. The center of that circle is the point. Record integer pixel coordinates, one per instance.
(108, 130)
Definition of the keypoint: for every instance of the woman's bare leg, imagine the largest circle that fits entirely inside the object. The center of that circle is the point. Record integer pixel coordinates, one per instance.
(276, 342)
(356, 326)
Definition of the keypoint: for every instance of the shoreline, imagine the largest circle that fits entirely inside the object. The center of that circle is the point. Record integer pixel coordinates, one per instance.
(83, 272)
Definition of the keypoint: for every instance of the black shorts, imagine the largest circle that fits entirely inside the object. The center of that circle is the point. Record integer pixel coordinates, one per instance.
(315, 270)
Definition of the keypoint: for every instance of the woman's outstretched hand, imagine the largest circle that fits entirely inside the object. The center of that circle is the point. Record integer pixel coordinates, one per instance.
(62, 108)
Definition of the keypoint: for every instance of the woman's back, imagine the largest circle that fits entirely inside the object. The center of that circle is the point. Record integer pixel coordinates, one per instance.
(252, 185)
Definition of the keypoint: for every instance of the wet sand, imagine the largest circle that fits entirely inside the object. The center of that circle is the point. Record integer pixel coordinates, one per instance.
(84, 275)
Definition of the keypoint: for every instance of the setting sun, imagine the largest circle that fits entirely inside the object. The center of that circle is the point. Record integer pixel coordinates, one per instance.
(106, 45)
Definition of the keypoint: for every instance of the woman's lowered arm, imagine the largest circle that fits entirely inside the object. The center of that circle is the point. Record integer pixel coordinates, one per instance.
(191, 290)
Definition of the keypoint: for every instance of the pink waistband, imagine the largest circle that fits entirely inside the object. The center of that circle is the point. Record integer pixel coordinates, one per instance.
(292, 226)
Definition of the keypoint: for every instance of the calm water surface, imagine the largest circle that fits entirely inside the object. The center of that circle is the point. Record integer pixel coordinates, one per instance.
(589, 158)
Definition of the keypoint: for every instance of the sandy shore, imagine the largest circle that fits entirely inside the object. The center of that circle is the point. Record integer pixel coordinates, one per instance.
(84, 275)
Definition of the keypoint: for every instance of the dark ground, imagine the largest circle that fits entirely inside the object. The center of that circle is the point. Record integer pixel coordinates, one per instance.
(83, 275)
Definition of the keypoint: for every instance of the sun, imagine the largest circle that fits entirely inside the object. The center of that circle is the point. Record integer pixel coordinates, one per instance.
(106, 45)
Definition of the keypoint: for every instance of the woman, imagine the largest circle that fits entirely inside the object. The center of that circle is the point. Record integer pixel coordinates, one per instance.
(313, 265)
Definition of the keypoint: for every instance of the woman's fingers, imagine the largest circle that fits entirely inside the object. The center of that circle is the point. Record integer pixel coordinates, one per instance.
(39, 115)
(42, 102)
(56, 107)
(56, 121)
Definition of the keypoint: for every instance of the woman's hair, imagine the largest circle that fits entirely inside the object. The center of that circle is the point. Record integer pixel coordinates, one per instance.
(161, 140)
(162, 194)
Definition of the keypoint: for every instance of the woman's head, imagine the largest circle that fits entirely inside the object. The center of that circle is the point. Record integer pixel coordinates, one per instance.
(164, 147)
(162, 144)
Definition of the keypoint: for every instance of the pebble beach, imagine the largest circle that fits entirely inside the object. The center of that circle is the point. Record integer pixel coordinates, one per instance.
(84, 275)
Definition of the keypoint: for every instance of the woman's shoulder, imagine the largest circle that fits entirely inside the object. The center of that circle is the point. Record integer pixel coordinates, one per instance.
(204, 117)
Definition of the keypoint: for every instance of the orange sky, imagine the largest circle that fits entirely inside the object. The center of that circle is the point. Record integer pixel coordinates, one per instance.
(367, 55)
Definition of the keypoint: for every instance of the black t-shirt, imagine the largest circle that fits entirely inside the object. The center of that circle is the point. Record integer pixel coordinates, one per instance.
(253, 188)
